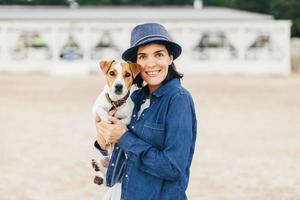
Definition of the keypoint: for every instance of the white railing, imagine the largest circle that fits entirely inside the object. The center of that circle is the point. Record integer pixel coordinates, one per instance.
(68, 48)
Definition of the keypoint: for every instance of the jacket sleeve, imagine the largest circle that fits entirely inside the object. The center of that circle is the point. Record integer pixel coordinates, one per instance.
(170, 162)
(97, 146)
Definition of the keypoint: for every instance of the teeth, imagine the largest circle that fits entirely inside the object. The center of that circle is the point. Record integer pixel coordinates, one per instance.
(153, 73)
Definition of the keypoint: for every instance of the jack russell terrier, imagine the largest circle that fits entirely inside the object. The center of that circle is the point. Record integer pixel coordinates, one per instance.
(115, 98)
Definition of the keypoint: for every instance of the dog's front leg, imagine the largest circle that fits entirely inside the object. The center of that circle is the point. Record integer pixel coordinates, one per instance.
(100, 168)
(99, 177)
(101, 109)
(102, 114)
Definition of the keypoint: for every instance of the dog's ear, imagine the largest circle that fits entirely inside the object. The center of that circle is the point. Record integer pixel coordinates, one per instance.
(134, 67)
(105, 65)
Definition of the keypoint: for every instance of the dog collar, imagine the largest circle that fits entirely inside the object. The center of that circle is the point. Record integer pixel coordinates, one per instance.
(118, 103)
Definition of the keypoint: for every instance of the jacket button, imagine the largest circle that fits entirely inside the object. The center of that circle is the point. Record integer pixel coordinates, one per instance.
(126, 175)
(113, 164)
(132, 127)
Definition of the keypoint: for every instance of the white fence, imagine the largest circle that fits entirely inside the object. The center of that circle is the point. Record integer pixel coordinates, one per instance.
(68, 48)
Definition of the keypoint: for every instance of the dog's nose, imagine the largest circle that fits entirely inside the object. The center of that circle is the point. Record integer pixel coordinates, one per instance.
(118, 88)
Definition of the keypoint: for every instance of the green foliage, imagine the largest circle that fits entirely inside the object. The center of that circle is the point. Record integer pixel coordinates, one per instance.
(135, 2)
(98, 2)
(282, 9)
(227, 3)
(33, 2)
(254, 5)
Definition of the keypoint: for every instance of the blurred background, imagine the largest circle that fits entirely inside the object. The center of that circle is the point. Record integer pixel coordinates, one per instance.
(241, 61)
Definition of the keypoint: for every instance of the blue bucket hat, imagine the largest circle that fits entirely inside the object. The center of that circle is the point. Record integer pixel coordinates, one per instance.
(147, 33)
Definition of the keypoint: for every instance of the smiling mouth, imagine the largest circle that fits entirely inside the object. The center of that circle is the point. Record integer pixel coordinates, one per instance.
(153, 73)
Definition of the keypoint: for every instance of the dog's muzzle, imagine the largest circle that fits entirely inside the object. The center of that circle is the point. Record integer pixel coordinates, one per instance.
(118, 89)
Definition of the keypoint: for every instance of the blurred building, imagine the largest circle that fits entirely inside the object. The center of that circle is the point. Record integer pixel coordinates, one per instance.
(60, 40)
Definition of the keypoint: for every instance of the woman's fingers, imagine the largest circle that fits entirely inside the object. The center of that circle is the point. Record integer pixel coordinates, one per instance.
(114, 120)
(103, 131)
(108, 136)
(101, 141)
(111, 132)
(104, 125)
(106, 131)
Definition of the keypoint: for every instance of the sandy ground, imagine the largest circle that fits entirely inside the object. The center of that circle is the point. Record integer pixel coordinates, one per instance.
(248, 144)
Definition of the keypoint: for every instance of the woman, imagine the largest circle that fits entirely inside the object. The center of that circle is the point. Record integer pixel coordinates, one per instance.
(152, 156)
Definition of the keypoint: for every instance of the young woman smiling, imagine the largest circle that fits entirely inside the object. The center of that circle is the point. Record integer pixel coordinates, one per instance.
(153, 155)
(154, 60)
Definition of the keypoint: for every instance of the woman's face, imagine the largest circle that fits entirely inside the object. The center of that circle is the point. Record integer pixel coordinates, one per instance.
(154, 60)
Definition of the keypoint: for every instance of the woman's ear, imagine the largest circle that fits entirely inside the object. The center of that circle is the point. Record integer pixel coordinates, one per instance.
(171, 59)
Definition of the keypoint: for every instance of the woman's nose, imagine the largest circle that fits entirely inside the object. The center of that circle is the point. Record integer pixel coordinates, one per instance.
(150, 62)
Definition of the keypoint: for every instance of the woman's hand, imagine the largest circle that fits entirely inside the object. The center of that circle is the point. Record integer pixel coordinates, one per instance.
(112, 132)
(100, 136)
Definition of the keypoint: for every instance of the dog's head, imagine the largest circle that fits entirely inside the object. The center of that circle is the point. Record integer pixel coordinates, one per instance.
(119, 75)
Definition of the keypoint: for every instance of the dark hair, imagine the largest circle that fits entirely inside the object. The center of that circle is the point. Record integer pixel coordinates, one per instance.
(172, 71)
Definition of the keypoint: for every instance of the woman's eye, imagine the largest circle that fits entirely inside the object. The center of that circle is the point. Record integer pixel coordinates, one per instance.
(112, 73)
(127, 74)
(141, 57)
(159, 55)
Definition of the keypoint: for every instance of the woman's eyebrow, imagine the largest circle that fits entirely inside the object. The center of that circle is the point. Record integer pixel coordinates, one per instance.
(158, 51)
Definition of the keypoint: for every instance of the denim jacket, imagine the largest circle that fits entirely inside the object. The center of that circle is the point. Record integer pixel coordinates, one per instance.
(158, 146)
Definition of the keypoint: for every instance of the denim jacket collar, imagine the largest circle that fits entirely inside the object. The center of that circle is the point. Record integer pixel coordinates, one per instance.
(164, 88)
(136, 96)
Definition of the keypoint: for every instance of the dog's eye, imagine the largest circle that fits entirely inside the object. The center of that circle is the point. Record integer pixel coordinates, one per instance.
(127, 74)
(112, 73)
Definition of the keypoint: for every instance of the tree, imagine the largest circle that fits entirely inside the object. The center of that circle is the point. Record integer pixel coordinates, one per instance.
(226, 3)
(33, 2)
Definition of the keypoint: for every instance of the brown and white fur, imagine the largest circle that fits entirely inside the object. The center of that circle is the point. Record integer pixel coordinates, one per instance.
(119, 81)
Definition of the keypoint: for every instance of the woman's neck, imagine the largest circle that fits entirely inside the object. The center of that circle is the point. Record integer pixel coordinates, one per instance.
(153, 88)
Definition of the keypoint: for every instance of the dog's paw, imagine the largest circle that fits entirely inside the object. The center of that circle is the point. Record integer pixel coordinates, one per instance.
(98, 180)
(95, 165)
